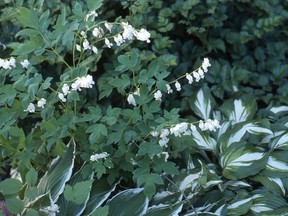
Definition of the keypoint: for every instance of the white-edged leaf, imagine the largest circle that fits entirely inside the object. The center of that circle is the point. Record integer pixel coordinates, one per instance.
(275, 184)
(202, 105)
(165, 210)
(279, 109)
(280, 142)
(58, 173)
(204, 141)
(128, 202)
(275, 164)
(189, 181)
(100, 192)
(239, 161)
(222, 130)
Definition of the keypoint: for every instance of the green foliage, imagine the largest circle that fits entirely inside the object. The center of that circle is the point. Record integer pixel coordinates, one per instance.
(113, 156)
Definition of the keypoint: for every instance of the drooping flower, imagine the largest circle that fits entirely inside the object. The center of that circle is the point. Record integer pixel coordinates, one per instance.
(177, 86)
(128, 31)
(86, 44)
(25, 63)
(189, 78)
(158, 95)
(108, 26)
(142, 35)
(169, 89)
(94, 49)
(98, 32)
(97, 157)
(91, 14)
(211, 125)
(205, 64)
(61, 97)
(108, 43)
(30, 108)
(154, 133)
(51, 210)
(83, 82)
(118, 39)
(65, 89)
(41, 103)
(131, 100)
(196, 76)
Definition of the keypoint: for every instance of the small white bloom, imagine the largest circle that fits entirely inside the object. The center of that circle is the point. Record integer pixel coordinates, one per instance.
(83, 34)
(128, 31)
(94, 49)
(51, 210)
(201, 73)
(65, 89)
(61, 97)
(163, 141)
(83, 82)
(192, 127)
(118, 39)
(30, 108)
(41, 103)
(189, 78)
(211, 125)
(108, 43)
(196, 76)
(91, 14)
(131, 100)
(158, 95)
(205, 64)
(164, 133)
(25, 63)
(98, 32)
(154, 133)
(108, 26)
(86, 44)
(97, 157)
(12, 62)
(142, 35)
(169, 89)
(177, 86)
(78, 47)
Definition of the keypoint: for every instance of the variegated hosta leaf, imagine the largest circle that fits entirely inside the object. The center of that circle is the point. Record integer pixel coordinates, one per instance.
(58, 174)
(239, 161)
(241, 206)
(165, 210)
(204, 141)
(202, 104)
(208, 177)
(279, 109)
(235, 185)
(276, 184)
(277, 164)
(266, 201)
(280, 142)
(237, 111)
(128, 202)
(238, 131)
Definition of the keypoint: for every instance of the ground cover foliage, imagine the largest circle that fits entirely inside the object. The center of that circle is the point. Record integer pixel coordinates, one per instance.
(104, 130)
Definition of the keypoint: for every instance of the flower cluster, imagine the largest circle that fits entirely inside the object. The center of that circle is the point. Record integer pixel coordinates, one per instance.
(7, 64)
(211, 125)
(97, 157)
(51, 210)
(31, 107)
(80, 82)
(128, 33)
(131, 99)
(178, 130)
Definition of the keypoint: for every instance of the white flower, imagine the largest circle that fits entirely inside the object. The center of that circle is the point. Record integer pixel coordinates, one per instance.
(30, 108)
(211, 125)
(118, 39)
(98, 32)
(142, 35)
(7, 64)
(25, 63)
(86, 44)
(128, 31)
(51, 210)
(169, 89)
(177, 86)
(205, 64)
(65, 89)
(83, 34)
(158, 95)
(108, 26)
(108, 43)
(164, 133)
(41, 103)
(61, 97)
(196, 76)
(92, 14)
(94, 49)
(97, 157)
(201, 73)
(163, 141)
(180, 129)
(12, 62)
(83, 82)
(131, 100)
(189, 78)
(192, 127)
(78, 47)
(154, 133)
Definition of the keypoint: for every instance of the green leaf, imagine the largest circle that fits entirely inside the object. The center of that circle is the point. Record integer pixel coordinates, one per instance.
(280, 142)
(94, 4)
(14, 205)
(149, 181)
(100, 192)
(28, 18)
(10, 186)
(136, 198)
(241, 206)
(31, 176)
(97, 130)
(78, 193)
(58, 173)
(101, 211)
(149, 148)
(164, 210)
